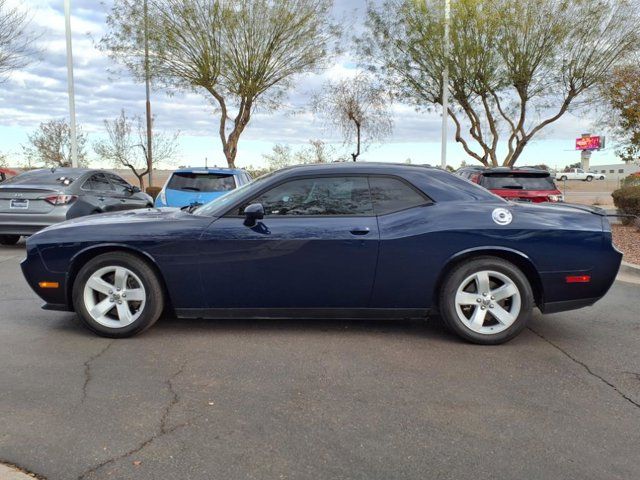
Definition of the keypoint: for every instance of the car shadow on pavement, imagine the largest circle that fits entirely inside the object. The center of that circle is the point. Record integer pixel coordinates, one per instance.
(167, 325)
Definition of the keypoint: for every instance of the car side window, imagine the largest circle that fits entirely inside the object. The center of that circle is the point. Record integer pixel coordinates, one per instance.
(120, 185)
(97, 183)
(320, 196)
(392, 195)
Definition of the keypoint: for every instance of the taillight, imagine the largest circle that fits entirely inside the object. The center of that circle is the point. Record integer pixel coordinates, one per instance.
(163, 197)
(60, 199)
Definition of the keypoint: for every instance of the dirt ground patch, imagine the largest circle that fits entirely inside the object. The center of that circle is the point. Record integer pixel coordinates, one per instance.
(627, 239)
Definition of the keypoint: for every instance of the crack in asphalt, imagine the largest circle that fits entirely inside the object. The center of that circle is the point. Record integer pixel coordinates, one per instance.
(586, 367)
(87, 370)
(162, 429)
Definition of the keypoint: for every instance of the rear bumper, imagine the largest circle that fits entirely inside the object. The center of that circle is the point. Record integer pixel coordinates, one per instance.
(564, 306)
(28, 224)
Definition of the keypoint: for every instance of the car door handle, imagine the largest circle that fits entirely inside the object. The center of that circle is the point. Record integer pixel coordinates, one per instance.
(101, 199)
(122, 200)
(360, 231)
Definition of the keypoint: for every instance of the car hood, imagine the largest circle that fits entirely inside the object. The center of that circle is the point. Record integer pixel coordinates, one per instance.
(119, 218)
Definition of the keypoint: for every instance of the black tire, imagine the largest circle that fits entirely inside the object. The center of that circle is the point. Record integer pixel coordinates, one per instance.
(563, 178)
(589, 178)
(9, 239)
(154, 296)
(456, 277)
(601, 178)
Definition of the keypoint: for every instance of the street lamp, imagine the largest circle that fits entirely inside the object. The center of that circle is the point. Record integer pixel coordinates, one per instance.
(445, 85)
(72, 102)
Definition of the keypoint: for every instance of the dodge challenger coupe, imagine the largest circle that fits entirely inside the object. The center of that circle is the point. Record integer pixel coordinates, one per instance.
(337, 240)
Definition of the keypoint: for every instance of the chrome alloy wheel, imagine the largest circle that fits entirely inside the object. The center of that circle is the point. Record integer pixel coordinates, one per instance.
(488, 302)
(114, 296)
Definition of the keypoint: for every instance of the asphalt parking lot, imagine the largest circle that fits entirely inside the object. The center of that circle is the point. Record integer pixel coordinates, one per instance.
(318, 399)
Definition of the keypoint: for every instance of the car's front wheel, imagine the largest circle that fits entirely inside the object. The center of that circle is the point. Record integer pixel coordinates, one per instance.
(563, 178)
(486, 300)
(9, 239)
(117, 295)
(589, 178)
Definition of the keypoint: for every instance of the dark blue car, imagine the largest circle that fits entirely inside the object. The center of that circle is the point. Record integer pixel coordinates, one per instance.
(339, 240)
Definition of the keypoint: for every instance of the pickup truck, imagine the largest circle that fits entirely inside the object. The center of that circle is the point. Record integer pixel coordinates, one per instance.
(578, 174)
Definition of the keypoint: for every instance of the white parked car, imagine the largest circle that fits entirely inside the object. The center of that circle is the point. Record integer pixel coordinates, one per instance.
(579, 174)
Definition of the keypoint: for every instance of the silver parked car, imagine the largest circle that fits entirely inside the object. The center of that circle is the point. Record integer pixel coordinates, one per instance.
(36, 199)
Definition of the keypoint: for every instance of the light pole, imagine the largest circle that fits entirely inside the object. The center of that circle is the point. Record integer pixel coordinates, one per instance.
(72, 102)
(147, 88)
(445, 85)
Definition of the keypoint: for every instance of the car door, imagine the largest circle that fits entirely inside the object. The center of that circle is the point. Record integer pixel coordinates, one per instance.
(126, 199)
(99, 192)
(316, 248)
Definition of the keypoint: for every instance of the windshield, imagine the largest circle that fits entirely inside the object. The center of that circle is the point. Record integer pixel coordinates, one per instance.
(201, 182)
(219, 205)
(518, 182)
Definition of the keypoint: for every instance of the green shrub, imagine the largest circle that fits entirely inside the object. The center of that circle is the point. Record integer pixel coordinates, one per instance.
(627, 201)
(153, 191)
(632, 180)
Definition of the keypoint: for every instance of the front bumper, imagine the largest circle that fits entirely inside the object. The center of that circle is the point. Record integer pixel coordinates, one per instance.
(35, 271)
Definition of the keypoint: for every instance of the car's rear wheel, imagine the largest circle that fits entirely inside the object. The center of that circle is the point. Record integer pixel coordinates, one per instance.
(563, 178)
(117, 295)
(486, 300)
(9, 239)
(589, 178)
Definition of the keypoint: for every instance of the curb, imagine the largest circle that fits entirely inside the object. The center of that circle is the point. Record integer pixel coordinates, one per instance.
(10, 472)
(629, 271)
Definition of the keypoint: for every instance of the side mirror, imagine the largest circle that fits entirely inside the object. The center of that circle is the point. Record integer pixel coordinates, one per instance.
(253, 213)
(134, 189)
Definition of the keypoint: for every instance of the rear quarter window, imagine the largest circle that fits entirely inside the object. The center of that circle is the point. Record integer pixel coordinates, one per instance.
(392, 195)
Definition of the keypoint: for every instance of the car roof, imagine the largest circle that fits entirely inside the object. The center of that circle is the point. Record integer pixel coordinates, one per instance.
(214, 170)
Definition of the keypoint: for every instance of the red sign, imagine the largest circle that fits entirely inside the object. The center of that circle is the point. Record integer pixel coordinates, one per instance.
(589, 143)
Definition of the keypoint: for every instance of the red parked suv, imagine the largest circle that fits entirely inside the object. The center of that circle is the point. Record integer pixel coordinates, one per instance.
(521, 184)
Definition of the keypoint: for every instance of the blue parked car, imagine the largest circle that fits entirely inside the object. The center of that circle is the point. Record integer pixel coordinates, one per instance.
(349, 240)
(196, 186)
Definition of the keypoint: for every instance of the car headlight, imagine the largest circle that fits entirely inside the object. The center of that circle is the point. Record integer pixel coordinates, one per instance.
(556, 198)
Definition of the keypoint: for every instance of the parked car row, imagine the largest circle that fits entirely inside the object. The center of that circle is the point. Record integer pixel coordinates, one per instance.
(36, 199)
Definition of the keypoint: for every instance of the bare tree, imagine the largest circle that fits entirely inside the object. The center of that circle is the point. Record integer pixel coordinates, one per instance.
(16, 43)
(282, 156)
(126, 145)
(621, 94)
(515, 66)
(244, 54)
(359, 107)
(50, 145)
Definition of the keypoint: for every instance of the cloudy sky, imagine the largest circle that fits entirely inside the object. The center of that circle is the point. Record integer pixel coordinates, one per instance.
(39, 93)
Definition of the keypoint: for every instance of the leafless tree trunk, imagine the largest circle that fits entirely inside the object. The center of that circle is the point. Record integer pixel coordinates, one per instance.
(358, 107)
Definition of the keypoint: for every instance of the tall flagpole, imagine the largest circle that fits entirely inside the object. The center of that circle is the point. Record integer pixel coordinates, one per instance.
(445, 85)
(72, 102)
